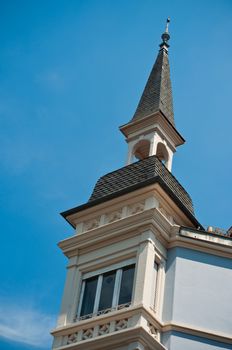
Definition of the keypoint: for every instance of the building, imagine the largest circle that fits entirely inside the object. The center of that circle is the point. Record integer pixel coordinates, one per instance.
(143, 273)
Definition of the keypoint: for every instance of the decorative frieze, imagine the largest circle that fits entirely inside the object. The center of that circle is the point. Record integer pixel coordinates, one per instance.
(96, 331)
(72, 338)
(91, 224)
(104, 329)
(113, 216)
(87, 334)
(121, 324)
(136, 208)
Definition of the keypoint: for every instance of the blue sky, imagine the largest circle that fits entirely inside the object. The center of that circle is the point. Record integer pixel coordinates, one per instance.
(71, 72)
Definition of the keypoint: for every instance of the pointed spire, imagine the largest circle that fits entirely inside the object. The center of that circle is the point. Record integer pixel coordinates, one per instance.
(157, 95)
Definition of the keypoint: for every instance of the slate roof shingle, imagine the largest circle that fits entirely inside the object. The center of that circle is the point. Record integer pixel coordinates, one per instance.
(139, 173)
(157, 94)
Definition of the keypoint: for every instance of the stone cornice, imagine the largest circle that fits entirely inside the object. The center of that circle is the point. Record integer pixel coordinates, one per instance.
(153, 120)
(135, 225)
(108, 234)
(200, 245)
(197, 331)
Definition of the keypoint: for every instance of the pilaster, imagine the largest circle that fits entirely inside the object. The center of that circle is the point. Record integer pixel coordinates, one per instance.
(70, 295)
(145, 269)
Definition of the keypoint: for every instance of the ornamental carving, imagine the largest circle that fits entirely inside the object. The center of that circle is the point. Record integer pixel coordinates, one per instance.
(136, 208)
(123, 306)
(104, 329)
(72, 338)
(114, 216)
(99, 330)
(91, 224)
(87, 334)
(121, 324)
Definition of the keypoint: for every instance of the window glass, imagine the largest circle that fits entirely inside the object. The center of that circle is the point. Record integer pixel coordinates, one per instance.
(89, 296)
(126, 285)
(107, 290)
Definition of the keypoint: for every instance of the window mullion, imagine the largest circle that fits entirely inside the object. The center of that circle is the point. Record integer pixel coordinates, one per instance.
(117, 286)
(98, 294)
(81, 299)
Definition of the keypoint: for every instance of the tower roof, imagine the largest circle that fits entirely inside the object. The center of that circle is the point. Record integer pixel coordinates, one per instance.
(134, 176)
(157, 94)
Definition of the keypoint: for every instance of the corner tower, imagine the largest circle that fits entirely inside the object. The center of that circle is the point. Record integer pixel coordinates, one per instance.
(152, 129)
(142, 272)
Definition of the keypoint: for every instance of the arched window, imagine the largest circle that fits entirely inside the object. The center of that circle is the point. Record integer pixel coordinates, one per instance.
(141, 150)
(162, 153)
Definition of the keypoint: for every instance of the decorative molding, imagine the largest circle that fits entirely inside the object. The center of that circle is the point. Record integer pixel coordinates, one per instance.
(201, 245)
(136, 208)
(130, 336)
(91, 224)
(132, 226)
(117, 322)
(152, 329)
(96, 331)
(199, 332)
(72, 338)
(103, 312)
(166, 214)
(121, 324)
(104, 329)
(113, 216)
(87, 334)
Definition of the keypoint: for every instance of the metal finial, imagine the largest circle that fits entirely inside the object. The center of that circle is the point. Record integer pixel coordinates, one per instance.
(167, 24)
(165, 36)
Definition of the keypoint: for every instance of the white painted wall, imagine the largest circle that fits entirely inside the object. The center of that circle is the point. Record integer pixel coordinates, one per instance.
(178, 341)
(198, 290)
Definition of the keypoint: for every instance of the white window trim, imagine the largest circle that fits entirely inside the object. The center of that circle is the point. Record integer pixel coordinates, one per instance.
(81, 298)
(117, 287)
(109, 268)
(98, 294)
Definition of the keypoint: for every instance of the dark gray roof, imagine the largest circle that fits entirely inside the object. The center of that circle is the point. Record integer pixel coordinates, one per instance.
(134, 176)
(140, 173)
(157, 95)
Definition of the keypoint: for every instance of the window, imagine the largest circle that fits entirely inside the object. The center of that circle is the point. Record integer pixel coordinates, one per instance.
(102, 293)
(162, 153)
(141, 150)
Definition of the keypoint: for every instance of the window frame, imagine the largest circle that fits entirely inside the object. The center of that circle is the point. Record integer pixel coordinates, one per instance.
(117, 287)
(91, 273)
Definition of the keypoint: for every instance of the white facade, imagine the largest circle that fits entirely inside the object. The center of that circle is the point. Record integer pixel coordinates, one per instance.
(182, 281)
(141, 275)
